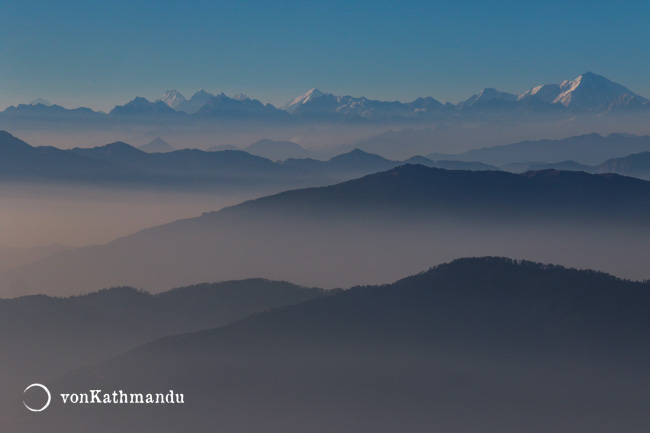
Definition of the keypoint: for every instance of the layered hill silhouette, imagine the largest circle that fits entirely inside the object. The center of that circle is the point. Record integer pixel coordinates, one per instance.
(43, 336)
(20, 161)
(192, 164)
(122, 164)
(483, 344)
(637, 165)
(157, 164)
(590, 149)
(392, 223)
(356, 162)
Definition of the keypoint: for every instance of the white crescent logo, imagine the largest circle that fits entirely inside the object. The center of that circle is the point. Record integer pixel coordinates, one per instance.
(44, 388)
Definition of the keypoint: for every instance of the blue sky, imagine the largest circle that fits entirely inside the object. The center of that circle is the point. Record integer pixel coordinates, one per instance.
(98, 54)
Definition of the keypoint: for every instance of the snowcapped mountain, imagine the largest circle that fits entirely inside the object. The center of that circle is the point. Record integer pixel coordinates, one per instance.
(177, 101)
(223, 106)
(486, 95)
(425, 105)
(317, 104)
(588, 92)
(545, 93)
(591, 91)
(195, 103)
(303, 99)
(173, 98)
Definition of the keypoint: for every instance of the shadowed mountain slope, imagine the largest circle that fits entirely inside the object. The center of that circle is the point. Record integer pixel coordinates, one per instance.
(43, 336)
(484, 344)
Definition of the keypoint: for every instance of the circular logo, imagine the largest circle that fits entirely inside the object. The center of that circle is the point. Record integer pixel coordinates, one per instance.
(44, 388)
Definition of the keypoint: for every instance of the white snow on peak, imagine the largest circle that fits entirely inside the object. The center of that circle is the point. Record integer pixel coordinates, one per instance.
(173, 98)
(545, 92)
(587, 91)
(591, 91)
(240, 97)
(487, 94)
(302, 99)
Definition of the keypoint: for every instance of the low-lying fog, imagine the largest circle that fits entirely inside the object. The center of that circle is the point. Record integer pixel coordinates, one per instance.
(39, 215)
(328, 255)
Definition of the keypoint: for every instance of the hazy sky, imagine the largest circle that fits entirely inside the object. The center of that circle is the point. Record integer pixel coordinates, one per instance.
(101, 53)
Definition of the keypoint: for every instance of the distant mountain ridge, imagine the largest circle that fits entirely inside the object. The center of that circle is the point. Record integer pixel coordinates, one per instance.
(157, 145)
(587, 93)
(635, 165)
(173, 98)
(359, 163)
(241, 108)
(120, 164)
(157, 163)
(141, 106)
(194, 104)
(588, 149)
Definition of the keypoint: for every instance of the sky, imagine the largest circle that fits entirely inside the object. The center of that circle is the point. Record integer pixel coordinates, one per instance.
(103, 53)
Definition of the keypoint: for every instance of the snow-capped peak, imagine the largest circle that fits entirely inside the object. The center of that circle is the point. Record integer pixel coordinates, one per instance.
(302, 99)
(588, 91)
(173, 98)
(591, 91)
(545, 92)
(487, 94)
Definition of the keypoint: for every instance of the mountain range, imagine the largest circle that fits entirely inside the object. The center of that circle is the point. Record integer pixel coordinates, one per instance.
(588, 93)
(121, 164)
(157, 164)
(635, 165)
(480, 344)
